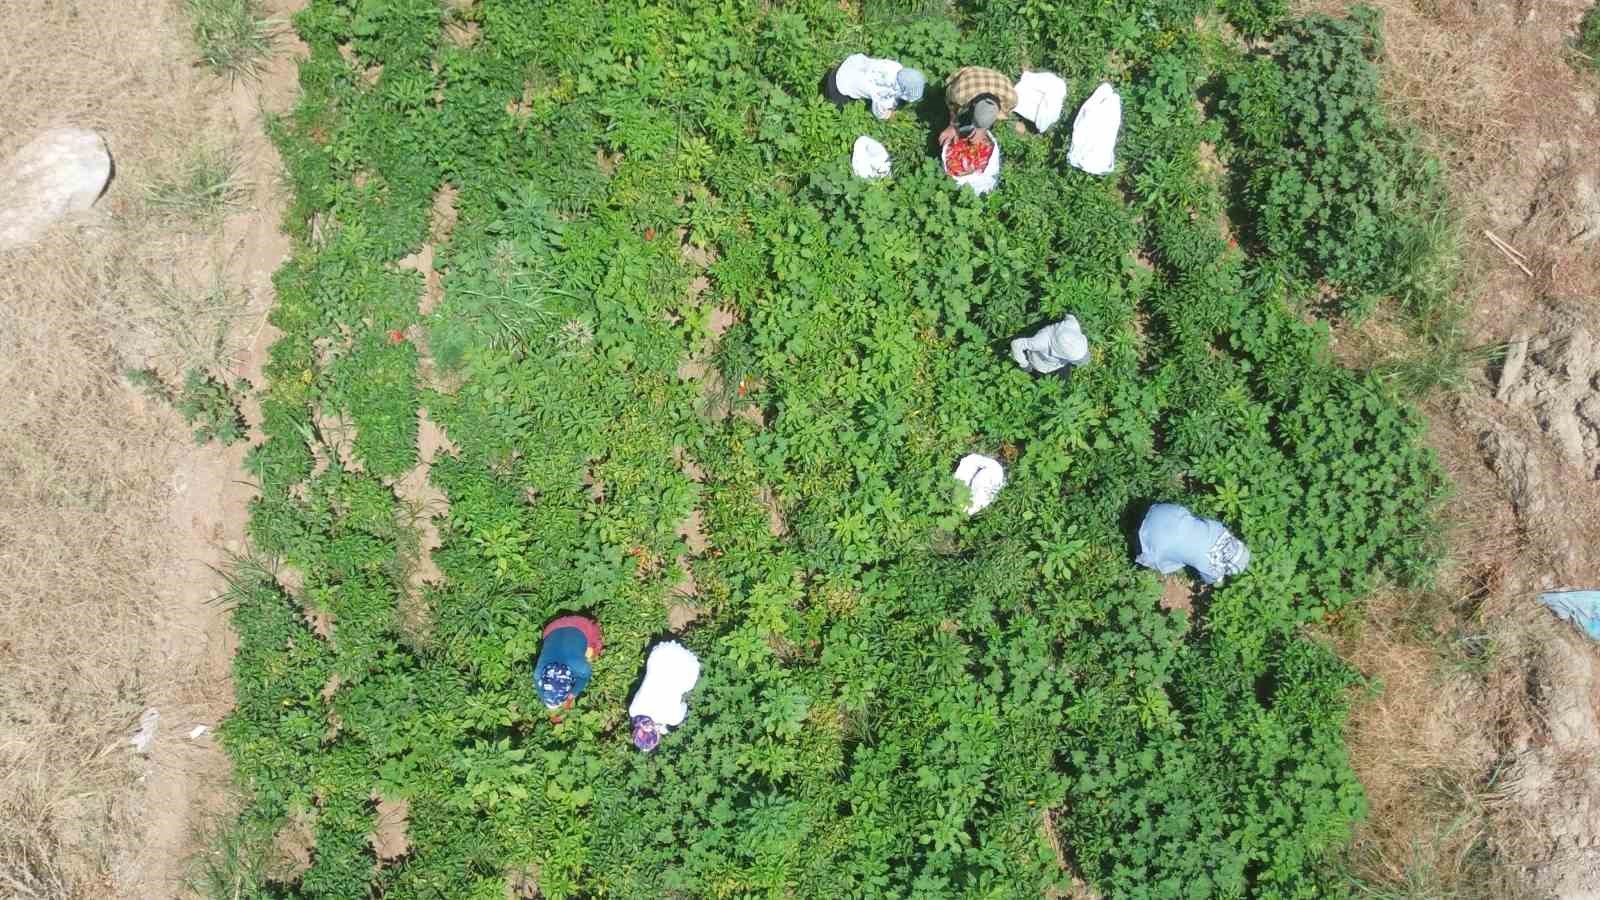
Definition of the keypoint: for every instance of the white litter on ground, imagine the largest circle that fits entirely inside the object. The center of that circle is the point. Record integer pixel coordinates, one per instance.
(146, 735)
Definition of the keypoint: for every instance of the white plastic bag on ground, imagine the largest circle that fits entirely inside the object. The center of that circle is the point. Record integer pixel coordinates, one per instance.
(980, 182)
(1039, 98)
(1094, 132)
(870, 159)
(983, 476)
(146, 735)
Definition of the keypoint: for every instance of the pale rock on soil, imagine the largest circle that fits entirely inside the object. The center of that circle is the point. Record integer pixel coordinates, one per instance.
(60, 172)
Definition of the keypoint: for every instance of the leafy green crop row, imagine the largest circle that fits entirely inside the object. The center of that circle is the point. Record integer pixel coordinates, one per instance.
(896, 701)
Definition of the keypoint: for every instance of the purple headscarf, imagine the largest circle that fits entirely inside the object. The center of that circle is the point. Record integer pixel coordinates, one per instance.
(645, 734)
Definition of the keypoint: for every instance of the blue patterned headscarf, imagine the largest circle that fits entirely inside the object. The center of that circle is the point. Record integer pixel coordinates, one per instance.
(645, 734)
(555, 684)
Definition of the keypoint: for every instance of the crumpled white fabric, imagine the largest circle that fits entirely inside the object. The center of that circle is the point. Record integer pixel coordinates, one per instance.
(669, 673)
(1039, 98)
(869, 159)
(983, 476)
(980, 182)
(1094, 131)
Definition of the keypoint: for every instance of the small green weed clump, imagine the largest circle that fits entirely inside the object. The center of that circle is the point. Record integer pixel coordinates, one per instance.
(208, 405)
(897, 701)
(233, 35)
(1588, 43)
(198, 187)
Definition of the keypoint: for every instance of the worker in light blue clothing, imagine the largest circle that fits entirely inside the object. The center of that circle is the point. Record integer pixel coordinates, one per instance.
(1052, 348)
(1171, 537)
(571, 643)
(883, 83)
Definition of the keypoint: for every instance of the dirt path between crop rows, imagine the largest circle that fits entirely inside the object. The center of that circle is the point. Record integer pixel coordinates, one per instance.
(209, 508)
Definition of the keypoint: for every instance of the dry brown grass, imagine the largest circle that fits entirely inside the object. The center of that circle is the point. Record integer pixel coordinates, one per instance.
(1430, 745)
(1425, 750)
(86, 551)
(1489, 89)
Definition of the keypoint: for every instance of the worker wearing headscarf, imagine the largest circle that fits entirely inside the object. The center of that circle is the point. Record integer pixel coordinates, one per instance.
(1052, 347)
(884, 83)
(670, 672)
(562, 672)
(1171, 537)
(977, 97)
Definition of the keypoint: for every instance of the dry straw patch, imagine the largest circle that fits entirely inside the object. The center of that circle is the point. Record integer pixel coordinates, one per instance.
(89, 564)
(1489, 86)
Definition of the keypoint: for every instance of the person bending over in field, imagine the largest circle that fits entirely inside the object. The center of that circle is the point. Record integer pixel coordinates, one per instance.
(1052, 348)
(1171, 537)
(571, 643)
(669, 673)
(978, 98)
(883, 83)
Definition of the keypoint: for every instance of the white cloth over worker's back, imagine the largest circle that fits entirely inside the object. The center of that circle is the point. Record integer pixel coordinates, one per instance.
(981, 182)
(1171, 537)
(669, 673)
(1094, 132)
(983, 476)
(869, 159)
(1051, 347)
(862, 77)
(1039, 98)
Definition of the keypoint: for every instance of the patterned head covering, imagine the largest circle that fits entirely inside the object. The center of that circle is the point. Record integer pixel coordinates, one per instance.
(645, 733)
(1228, 555)
(555, 684)
(909, 83)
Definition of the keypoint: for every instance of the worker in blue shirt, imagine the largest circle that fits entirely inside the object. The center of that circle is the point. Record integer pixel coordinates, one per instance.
(571, 643)
(1171, 537)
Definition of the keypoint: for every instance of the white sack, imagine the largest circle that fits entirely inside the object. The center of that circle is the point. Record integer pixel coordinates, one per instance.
(1094, 132)
(1039, 98)
(983, 476)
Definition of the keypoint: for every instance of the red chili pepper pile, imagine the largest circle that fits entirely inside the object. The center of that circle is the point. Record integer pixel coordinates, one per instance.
(966, 156)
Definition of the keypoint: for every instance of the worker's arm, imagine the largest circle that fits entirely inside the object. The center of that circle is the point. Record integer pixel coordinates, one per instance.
(1039, 342)
(949, 132)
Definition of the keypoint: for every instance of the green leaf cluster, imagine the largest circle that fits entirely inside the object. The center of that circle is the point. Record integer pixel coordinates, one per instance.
(1340, 190)
(897, 701)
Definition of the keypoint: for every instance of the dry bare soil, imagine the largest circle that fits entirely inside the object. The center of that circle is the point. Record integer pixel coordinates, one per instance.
(1478, 755)
(112, 523)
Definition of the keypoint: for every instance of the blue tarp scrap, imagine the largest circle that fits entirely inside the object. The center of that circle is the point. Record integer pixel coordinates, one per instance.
(1581, 608)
